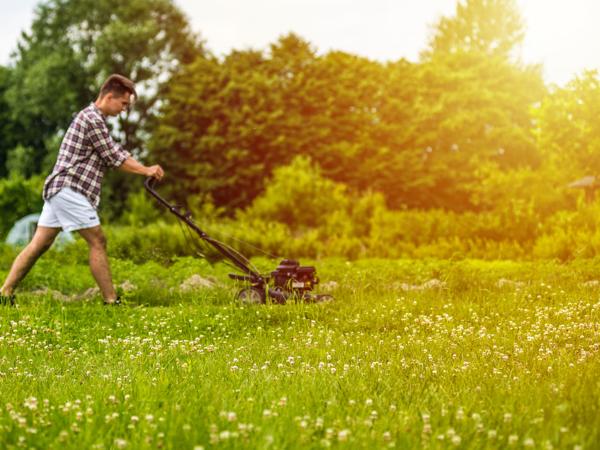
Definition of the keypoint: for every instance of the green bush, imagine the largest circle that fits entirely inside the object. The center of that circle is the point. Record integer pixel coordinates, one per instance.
(18, 197)
(299, 196)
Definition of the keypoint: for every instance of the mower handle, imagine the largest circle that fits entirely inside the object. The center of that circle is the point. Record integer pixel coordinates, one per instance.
(150, 184)
(225, 250)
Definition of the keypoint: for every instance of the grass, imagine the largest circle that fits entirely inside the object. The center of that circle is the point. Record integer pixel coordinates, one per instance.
(471, 364)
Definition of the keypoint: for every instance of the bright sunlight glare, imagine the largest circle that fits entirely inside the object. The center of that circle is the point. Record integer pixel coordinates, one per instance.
(563, 35)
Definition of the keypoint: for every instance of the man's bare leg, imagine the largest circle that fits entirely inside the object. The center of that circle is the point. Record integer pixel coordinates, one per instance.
(42, 240)
(99, 264)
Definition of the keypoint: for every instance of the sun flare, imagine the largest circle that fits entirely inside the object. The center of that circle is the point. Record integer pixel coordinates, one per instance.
(562, 35)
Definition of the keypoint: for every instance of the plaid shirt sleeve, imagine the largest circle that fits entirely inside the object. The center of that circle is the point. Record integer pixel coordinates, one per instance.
(111, 153)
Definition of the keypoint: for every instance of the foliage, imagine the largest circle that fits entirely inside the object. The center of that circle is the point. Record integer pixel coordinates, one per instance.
(299, 196)
(11, 131)
(416, 133)
(20, 161)
(492, 27)
(72, 47)
(567, 128)
(253, 112)
(18, 197)
(465, 153)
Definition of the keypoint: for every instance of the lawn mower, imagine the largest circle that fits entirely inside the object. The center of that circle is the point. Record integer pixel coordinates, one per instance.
(289, 281)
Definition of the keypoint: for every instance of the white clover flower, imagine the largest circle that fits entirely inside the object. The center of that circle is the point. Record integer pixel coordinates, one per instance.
(343, 435)
(224, 435)
(513, 439)
(231, 416)
(460, 414)
(31, 403)
(529, 443)
(456, 440)
(120, 443)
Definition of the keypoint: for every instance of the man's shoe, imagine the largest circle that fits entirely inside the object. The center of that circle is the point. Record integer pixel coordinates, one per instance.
(116, 302)
(7, 300)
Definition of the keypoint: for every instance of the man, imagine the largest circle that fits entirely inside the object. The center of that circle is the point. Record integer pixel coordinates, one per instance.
(72, 191)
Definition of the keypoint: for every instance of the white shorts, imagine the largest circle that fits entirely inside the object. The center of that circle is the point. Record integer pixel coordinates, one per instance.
(68, 210)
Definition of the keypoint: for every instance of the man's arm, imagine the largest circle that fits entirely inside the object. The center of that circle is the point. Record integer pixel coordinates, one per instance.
(132, 166)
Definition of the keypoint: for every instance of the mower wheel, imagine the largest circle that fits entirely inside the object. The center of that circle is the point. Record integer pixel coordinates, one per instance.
(251, 296)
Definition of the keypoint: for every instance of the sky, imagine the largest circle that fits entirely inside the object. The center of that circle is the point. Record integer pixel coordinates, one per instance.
(563, 35)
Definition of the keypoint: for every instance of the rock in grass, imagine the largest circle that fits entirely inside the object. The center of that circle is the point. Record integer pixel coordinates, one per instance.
(329, 286)
(434, 283)
(503, 282)
(196, 282)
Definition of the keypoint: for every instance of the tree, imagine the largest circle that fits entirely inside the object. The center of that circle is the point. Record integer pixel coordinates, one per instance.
(567, 128)
(252, 112)
(473, 115)
(11, 132)
(75, 44)
(492, 27)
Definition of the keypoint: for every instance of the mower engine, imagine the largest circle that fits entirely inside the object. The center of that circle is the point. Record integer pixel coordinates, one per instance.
(291, 277)
(288, 281)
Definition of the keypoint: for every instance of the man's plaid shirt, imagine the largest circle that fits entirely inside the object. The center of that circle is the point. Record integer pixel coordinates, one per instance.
(86, 152)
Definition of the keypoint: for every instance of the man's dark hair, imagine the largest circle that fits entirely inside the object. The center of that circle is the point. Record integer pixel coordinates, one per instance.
(118, 85)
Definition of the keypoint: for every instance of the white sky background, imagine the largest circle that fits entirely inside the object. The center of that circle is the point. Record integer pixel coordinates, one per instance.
(564, 35)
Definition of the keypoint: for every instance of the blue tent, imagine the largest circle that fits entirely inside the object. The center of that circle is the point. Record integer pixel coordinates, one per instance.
(24, 228)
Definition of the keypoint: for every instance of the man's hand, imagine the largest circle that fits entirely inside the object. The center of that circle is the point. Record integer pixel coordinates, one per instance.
(132, 166)
(155, 172)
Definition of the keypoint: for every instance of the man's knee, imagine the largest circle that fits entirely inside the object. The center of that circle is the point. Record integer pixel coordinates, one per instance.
(97, 240)
(102, 241)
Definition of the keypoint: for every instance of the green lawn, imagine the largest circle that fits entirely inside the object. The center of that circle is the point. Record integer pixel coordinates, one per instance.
(494, 354)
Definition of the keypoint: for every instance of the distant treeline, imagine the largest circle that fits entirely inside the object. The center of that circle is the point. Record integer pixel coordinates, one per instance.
(467, 130)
